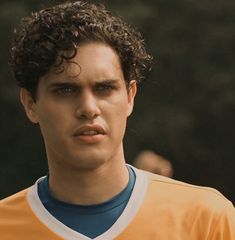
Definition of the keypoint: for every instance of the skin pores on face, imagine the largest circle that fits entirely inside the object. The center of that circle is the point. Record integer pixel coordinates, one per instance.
(82, 111)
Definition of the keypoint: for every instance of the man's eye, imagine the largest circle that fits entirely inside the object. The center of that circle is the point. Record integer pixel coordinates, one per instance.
(104, 88)
(65, 90)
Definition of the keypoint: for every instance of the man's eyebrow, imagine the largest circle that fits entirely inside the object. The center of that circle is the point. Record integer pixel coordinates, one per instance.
(107, 81)
(61, 84)
(77, 84)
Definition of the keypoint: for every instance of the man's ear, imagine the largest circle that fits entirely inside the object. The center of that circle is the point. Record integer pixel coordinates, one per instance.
(132, 89)
(29, 105)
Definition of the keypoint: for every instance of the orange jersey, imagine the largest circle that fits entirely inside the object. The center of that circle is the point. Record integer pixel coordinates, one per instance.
(159, 209)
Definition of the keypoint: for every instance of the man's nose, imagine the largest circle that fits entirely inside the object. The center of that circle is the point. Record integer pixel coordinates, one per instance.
(87, 107)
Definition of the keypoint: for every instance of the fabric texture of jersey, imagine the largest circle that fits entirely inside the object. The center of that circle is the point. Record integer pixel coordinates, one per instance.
(159, 209)
(86, 219)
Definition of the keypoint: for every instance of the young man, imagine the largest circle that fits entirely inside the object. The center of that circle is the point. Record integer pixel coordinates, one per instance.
(78, 66)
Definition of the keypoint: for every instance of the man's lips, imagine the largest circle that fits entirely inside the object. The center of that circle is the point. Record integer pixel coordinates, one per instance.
(90, 134)
(89, 130)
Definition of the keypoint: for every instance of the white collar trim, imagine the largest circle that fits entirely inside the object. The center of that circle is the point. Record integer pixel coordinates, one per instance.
(67, 233)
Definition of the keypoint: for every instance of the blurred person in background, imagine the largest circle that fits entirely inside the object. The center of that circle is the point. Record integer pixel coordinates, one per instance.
(78, 66)
(152, 162)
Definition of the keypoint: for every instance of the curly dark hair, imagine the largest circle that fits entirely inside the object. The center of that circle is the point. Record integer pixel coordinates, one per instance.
(41, 38)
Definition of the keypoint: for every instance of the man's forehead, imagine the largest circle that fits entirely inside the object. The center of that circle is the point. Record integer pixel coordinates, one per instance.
(98, 64)
(68, 74)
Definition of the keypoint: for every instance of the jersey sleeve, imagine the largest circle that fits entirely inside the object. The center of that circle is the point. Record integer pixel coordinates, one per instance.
(225, 225)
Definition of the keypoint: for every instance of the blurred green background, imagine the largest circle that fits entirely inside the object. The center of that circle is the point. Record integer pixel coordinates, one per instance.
(185, 111)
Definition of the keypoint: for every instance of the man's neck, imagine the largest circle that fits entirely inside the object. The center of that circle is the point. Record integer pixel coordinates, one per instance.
(89, 186)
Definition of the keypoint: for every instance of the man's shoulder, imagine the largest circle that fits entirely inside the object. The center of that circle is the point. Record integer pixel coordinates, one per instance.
(189, 195)
(13, 209)
(13, 200)
(189, 211)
